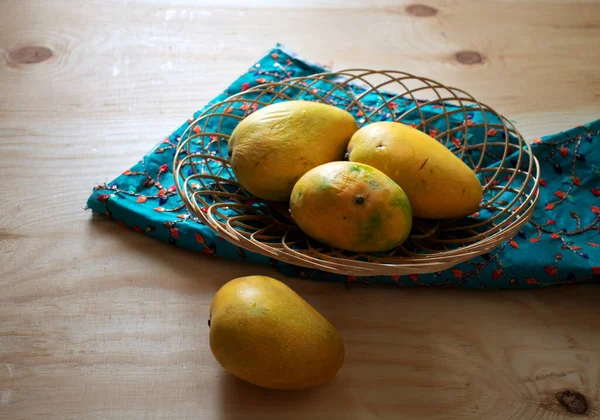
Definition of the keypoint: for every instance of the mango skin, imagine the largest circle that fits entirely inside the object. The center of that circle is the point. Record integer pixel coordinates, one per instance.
(438, 184)
(351, 206)
(274, 146)
(264, 333)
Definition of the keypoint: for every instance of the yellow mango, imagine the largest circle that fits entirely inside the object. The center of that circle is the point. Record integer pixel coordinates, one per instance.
(273, 147)
(438, 184)
(351, 206)
(263, 332)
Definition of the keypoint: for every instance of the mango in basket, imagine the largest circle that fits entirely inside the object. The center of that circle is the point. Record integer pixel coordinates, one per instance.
(263, 332)
(438, 184)
(351, 206)
(274, 146)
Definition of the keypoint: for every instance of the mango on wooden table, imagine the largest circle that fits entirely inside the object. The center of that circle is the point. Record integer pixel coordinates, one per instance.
(263, 332)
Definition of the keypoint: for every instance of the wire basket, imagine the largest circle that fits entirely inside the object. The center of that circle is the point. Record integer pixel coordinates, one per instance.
(485, 140)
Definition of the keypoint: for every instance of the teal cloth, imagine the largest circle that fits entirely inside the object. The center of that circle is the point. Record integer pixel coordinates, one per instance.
(560, 245)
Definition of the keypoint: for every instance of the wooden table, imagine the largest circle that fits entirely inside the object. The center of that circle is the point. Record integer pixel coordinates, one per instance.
(97, 322)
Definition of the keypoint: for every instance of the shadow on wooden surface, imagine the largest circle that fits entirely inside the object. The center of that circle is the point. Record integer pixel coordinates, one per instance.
(242, 400)
(423, 352)
(191, 267)
(130, 332)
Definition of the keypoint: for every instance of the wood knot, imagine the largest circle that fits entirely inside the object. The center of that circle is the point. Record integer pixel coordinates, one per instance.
(30, 55)
(468, 57)
(573, 402)
(420, 10)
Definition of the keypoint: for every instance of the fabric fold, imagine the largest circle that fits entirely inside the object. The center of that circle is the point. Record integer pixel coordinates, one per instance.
(559, 246)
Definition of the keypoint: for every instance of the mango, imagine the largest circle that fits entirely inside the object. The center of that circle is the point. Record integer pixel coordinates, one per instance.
(264, 333)
(273, 147)
(438, 184)
(351, 206)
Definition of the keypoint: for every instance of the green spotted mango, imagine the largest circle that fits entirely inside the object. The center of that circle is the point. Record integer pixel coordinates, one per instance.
(274, 146)
(351, 206)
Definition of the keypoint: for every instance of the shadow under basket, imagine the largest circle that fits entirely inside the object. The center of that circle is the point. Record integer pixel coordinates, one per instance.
(485, 140)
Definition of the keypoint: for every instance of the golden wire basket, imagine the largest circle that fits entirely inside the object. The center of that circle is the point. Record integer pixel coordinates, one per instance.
(485, 140)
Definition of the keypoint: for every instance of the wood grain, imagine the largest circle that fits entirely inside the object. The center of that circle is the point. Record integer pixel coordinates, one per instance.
(97, 322)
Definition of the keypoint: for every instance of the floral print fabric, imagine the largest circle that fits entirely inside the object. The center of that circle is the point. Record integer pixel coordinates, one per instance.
(560, 245)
